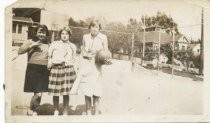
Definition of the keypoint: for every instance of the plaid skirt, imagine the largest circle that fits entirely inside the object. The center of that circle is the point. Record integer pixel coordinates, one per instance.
(61, 80)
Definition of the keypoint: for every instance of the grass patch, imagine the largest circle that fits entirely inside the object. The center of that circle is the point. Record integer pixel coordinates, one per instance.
(193, 76)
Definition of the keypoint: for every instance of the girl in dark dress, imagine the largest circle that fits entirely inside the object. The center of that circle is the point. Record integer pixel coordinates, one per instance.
(37, 74)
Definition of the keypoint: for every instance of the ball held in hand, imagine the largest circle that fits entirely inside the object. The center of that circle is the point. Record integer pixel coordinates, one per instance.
(102, 56)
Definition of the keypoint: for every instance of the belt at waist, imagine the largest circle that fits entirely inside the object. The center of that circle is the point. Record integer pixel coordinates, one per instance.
(88, 58)
(62, 65)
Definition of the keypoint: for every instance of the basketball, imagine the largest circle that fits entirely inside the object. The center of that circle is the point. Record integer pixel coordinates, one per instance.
(102, 56)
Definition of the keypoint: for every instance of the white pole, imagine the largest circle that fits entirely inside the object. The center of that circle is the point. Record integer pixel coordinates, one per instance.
(143, 50)
(132, 47)
(172, 72)
(144, 38)
(159, 50)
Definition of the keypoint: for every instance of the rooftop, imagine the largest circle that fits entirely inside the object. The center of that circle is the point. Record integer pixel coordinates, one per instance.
(153, 36)
(22, 19)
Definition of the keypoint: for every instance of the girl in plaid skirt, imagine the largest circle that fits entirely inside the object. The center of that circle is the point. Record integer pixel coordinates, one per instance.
(62, 73)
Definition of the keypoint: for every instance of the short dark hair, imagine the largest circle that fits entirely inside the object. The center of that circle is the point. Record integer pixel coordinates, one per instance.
(67, 29)
(44, 28)
(93, 23)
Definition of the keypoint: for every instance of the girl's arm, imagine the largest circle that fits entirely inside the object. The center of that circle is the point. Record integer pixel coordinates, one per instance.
(50, 50)
(84, 47)
(74, 49)
(25, 47)
(105, 44)
(75, 59)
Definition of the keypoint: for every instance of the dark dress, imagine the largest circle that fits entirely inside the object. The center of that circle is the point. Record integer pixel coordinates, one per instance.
(36, 78)
(37, 74)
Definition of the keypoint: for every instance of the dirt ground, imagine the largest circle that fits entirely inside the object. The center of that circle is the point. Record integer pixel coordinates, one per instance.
(124, 92)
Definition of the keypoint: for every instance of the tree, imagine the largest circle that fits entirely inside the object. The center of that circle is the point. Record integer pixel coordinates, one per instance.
(80, 23)
(72, 22)
(115, 26)
(161, 19)
(133, 25)
(117, 37)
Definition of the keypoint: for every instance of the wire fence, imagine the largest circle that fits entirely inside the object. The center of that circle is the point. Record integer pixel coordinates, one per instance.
(141, 51)
(120, 44)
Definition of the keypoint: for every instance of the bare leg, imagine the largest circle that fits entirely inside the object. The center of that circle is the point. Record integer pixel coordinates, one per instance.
(65, 104)
(88, 105)
(56, 102)
(96, 102)
(39, 97)
(35, 101)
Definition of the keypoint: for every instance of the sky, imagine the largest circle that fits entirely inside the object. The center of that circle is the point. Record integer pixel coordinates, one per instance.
(185, 13)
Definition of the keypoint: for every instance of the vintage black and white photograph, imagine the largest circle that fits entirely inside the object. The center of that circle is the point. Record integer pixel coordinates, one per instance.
(94, 58)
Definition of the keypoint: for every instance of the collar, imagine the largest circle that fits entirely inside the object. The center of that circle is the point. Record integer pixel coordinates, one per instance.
(98, 36)
(67, 42)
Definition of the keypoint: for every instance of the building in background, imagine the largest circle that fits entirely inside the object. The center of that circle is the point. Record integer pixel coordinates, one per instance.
(25, 19)
(20, 27)
(152, 39)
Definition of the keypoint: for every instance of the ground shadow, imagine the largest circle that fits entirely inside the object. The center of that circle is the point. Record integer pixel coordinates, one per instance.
(48, 109)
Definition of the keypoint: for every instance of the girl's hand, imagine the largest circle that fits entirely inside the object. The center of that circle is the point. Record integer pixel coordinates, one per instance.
(49, 65)
(34, 44)
(92, 52)
(107, 61)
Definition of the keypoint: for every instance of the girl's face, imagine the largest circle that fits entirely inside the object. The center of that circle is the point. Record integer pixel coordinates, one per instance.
(94, 30)
(41, 34)
(64, 36)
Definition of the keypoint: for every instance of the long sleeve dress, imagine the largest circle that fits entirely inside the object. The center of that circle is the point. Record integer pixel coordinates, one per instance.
(36, 77)
(91, 72)
(62, 72)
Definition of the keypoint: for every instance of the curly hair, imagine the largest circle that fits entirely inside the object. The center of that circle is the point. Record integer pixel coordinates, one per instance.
(67, 29)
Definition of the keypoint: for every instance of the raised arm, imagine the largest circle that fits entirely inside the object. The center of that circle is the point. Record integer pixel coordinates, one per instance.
(28, 45)
(25, 47)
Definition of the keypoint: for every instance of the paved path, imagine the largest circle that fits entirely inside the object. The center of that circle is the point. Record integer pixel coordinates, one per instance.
(141, 92)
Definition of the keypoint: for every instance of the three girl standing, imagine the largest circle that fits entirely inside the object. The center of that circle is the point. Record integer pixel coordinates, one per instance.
(59, 58)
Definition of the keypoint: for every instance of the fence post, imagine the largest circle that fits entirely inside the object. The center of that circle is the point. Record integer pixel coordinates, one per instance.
(159, 38)
(172, 67)
(132, 47)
